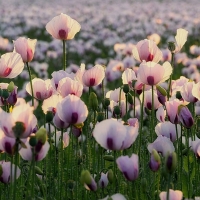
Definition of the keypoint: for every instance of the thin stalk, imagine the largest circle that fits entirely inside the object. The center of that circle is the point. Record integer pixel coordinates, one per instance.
(170, 79)
(15, 171)
(152, 114)
(141, 121)
(61, 164)
(64, 55)
(29, 72)
(33, 173)
(134, 98)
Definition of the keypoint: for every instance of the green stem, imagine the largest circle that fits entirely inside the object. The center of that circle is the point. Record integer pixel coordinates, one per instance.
(134, 98)
(61, 164)
(141, 121)
(170, 79)
(33, 173)
(168, 186)
(29, 72)
(15, 172)
(64, 55)
(152, 114)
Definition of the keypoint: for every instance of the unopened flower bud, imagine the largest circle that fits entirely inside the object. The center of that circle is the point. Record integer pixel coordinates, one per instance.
(171, 162)
(171, 46)
(161, 98)
(161, 90)
(110, 176)
(38, 171)
(185, 116)
(18, 129)
(93, 101)
(49, 116)
(88, 180)
(126, 88)
(11, 87)
(155, 161)
(108, 158)
(41, 135)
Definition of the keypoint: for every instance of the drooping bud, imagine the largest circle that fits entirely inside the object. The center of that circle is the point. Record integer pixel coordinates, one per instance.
(171, 162)
(110, 176)
(93, 101)
(161, 90)
(41, 135)
(88, 180)
(171, 46)
(185, 116)
(108, 158)
(11, 87)
(70, 184)
(155, 161)
(38, 171)
(18, 129)
(126, 88)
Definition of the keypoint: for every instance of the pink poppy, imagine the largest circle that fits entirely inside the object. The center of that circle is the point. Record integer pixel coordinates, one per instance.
(173, 195)
(40, 149)
(22, 114)
(168, 130)
(172, 110)
(63, 27)
(41, 89)
(106, 131)
(6, 169)
(11, 65)
(147, 50)
(129, 166)
(93, 76)
(151, 73)
(25, 47)
(162, 145)
(68, 86)
(72, 110)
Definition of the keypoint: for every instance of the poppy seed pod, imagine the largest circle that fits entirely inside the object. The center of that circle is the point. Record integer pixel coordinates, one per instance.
(171, 46)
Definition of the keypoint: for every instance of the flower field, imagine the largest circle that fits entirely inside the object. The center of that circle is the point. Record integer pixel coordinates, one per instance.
(99, 100)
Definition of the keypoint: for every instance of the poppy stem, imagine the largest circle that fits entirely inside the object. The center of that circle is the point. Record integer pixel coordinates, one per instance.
(170, 79)
(30, 78)
(64, 55)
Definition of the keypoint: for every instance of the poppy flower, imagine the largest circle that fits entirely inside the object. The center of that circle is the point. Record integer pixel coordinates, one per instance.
(63, 27)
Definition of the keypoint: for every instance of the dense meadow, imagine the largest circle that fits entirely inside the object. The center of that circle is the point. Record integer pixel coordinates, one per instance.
(99, 100)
